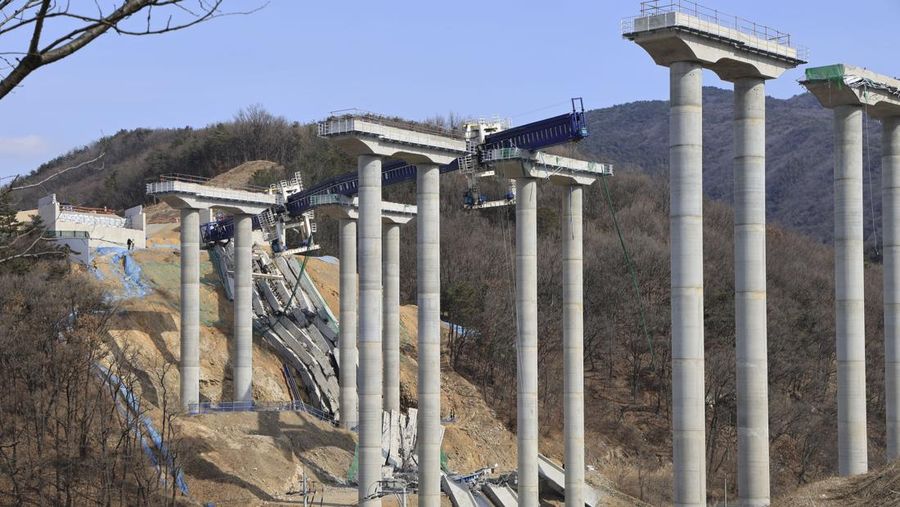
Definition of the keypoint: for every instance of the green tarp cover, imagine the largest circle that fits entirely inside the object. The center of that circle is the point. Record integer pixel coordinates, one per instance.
(829, 73)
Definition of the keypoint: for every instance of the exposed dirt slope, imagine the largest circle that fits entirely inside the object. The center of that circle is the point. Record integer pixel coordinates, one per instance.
(260, 458)
(878, 487)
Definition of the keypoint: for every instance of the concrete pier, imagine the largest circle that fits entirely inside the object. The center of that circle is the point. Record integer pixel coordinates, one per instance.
(573, 343)
(750, 290)
(349, 321)
(243, 310)
(745, 53)
(370, 299)
(190, 307)
(848, 278)
(428, 277)
(686, 225)
(391, 316)
(852, 91)
(890, 188)
(526, 347)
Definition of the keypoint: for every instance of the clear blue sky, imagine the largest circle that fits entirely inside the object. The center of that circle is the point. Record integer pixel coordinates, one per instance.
(302, 59)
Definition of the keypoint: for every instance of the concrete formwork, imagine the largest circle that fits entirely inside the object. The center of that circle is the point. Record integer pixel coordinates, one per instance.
(242, 363)
(190, 308)
(370, 300)
(428, 279)
(349, 319)
(526, 344)
(391, 316)
(750, 290)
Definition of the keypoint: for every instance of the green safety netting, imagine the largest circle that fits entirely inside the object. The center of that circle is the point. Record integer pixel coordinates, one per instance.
(828, 73)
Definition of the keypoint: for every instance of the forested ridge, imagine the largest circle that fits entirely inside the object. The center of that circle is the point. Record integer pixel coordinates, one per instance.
(627, 370)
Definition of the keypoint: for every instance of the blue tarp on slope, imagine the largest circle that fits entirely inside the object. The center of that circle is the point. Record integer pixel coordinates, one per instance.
(128, 270)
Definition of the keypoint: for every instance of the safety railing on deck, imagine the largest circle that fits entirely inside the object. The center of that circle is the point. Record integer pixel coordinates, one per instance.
(67, 234)
(343, 122)
(252, 406)
(712, 21)
(200, 180)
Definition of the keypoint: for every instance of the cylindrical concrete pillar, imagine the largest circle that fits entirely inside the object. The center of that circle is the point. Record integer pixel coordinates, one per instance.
(190, 307)
(750, 290)
(848, 286)
(526, 346)
(428, 280)
(573, 343)
(686, 225)
(243, 308)
(391, 315)
(890, 216)
(370, 296)
(347, 343)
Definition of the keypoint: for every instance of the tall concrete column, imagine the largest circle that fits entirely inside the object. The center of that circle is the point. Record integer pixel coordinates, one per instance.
(347, 343)
(750, 290)
(190, 307)
(391, 315)
(573, 343)
(890, 216)
(370, 361)
(428, 280)
(848, 285)
(526, 346)
(686, 225)
(243, 308)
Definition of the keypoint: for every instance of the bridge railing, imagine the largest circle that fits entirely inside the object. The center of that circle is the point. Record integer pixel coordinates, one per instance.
(252, 406)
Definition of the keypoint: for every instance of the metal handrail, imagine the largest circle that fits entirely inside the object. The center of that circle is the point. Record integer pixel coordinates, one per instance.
(200, 180)
(337, 124)
(254, 406)
(67, 234)
(715, 17)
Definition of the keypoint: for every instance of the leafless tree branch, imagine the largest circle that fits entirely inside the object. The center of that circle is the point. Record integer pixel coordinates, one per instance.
(59, 30)
(48, 178)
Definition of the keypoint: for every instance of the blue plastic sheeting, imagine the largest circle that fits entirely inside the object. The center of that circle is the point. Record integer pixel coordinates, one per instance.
(455, 327)
(133, 414)
(127, 268)
(330, 259)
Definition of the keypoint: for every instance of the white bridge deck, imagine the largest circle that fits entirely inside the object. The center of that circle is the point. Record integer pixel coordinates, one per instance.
(196, 194)
(384, 130)
(516, 162)
(692, 17)
(342, 206)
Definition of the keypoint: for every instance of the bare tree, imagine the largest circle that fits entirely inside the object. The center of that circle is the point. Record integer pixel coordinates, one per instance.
(34, 33)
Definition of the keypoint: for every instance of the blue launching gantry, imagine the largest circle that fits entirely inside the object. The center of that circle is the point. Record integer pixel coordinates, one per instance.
(483, 138)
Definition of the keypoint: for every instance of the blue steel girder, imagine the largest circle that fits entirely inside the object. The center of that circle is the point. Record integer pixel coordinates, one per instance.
(565, 128)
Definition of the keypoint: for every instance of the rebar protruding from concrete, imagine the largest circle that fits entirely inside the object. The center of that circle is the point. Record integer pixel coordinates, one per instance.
(686, 218)
(243, 308)
(190, 307)
(750, 291)
(428, 279)
(391, 314)
(848, 286)
(573, 343)
(526, 349)
(370, 361)
(890, 216)
(347, 343)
